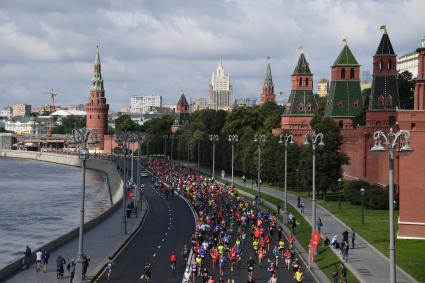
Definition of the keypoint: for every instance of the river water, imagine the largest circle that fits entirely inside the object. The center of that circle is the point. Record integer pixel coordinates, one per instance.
(40, 201)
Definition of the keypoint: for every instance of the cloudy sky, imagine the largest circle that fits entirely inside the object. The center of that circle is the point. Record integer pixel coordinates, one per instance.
(158, 47)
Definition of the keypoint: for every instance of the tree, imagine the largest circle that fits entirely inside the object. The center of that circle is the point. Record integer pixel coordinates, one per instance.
(406, 85)
(124, 124)
(329, 158)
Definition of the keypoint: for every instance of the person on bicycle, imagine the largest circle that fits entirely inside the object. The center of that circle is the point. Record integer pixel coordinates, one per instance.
(185, 253)
(148, 271)
(173, 260)
(60, 261)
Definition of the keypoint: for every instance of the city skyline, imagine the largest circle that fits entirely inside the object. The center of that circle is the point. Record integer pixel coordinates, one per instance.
(46, 46)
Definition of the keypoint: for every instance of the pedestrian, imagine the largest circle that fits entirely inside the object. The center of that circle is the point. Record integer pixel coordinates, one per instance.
(353, 237)
(301, 206)
(335, 274)
(278, 209)
(273, 278)
(86, 261)
(343, 273)
(319, 225)
(60, 261)
(38, 257)
(252, 183)
(293, 225)
(345, 236)
(27, 257)
(243, 179)
(45, 259)
(279, 233)
(71, 268)
(108, 267)
(345, 251)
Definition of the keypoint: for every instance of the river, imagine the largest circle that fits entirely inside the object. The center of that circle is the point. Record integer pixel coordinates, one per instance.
(40, 201)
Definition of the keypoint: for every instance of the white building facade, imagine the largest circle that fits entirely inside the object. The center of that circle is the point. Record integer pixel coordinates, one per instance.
(409, 62)
(6, 112)
(220, 90)
(30, 127)
(145, 104)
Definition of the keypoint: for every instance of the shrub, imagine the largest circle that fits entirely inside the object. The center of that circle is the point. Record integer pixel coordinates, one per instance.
(375, 197)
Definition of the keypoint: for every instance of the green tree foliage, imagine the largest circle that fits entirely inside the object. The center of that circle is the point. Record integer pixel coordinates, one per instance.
(406, 86)
(124, 124)
(329, 158)
(68, 124)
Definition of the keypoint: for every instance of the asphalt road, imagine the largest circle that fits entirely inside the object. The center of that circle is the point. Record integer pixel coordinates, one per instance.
(167, 227)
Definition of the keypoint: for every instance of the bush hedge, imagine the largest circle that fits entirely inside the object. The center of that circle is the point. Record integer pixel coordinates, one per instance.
(376, 197)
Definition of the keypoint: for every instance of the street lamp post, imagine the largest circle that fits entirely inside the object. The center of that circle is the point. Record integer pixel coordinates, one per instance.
(284, 139)
(391, 140)
(260, 140)
(362, 193)
(233, 139)
(179, 137)
(214, 138)
(172, 137)
(339, 193)
(82, 137)
(313, 139)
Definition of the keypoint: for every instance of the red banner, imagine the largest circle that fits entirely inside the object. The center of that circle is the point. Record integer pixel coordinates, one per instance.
(314, 242)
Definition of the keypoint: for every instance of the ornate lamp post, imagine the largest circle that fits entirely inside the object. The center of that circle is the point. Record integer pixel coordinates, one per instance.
(312, 140)
(82, 137)
(165, 137)
(285, 139)
(199, 154)
(362, 193)
(214, 138)
(391, 141)
(339, 193)
(260, 140)
(233, 139)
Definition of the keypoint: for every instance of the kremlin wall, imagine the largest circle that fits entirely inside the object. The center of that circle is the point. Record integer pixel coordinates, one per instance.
(344, 102)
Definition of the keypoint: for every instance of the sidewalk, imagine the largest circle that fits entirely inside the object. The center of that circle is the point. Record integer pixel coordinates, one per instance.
(99, 243)
(365, 261)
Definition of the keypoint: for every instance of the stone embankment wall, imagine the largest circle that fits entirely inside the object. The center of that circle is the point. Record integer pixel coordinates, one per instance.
(115, 184)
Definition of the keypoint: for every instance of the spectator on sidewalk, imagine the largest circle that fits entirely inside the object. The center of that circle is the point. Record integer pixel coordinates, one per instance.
(293, 224)
(301, 206)
(27, 257)
(335, 274)
(278, 209)
(298, 201)
(319, 225)
(353, 237)
(345, 236)
(45, 260)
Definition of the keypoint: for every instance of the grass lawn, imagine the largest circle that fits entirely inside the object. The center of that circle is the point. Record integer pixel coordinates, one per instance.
(410, 254)
(325, 259)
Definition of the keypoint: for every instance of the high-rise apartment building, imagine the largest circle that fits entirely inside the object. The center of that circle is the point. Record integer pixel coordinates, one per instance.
(220, 90)
(21, 110)
(145, 104)
(322, 88)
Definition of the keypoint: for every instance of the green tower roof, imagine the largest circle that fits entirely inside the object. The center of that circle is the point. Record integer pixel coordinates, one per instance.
(302, 67)
(346, 58)
(268, 80)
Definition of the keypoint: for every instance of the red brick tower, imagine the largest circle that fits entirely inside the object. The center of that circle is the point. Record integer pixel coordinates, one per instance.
(96, 107)
(268, 87)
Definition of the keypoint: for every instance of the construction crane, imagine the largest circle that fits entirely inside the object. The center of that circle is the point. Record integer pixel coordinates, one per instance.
(52, 95)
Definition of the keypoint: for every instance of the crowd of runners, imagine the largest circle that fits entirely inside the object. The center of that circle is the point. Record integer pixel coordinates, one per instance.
(232, 233)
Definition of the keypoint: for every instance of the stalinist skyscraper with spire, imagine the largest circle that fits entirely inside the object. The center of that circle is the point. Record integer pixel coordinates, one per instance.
(220, 90)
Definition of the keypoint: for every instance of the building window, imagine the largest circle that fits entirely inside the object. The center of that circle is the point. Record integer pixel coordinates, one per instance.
(343, 73)
(389, 100)
(340, 123)
(352, 73)
(381, 100)
(356, 104)
(390, 64)
(301, 107)
(301, 82)
(306, 82)
(391, 120)
(381, 64)
(340, 104)
(308, 107)
(412, 126)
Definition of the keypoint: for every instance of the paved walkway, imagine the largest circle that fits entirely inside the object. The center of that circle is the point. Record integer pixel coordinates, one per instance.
(99, 242)
(365, 262)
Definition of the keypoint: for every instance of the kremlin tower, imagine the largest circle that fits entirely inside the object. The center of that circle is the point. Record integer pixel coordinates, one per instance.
(345, 97)
(268, 87)
(96, 107)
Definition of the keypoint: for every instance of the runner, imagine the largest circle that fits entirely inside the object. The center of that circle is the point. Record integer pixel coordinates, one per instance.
(173, 261)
